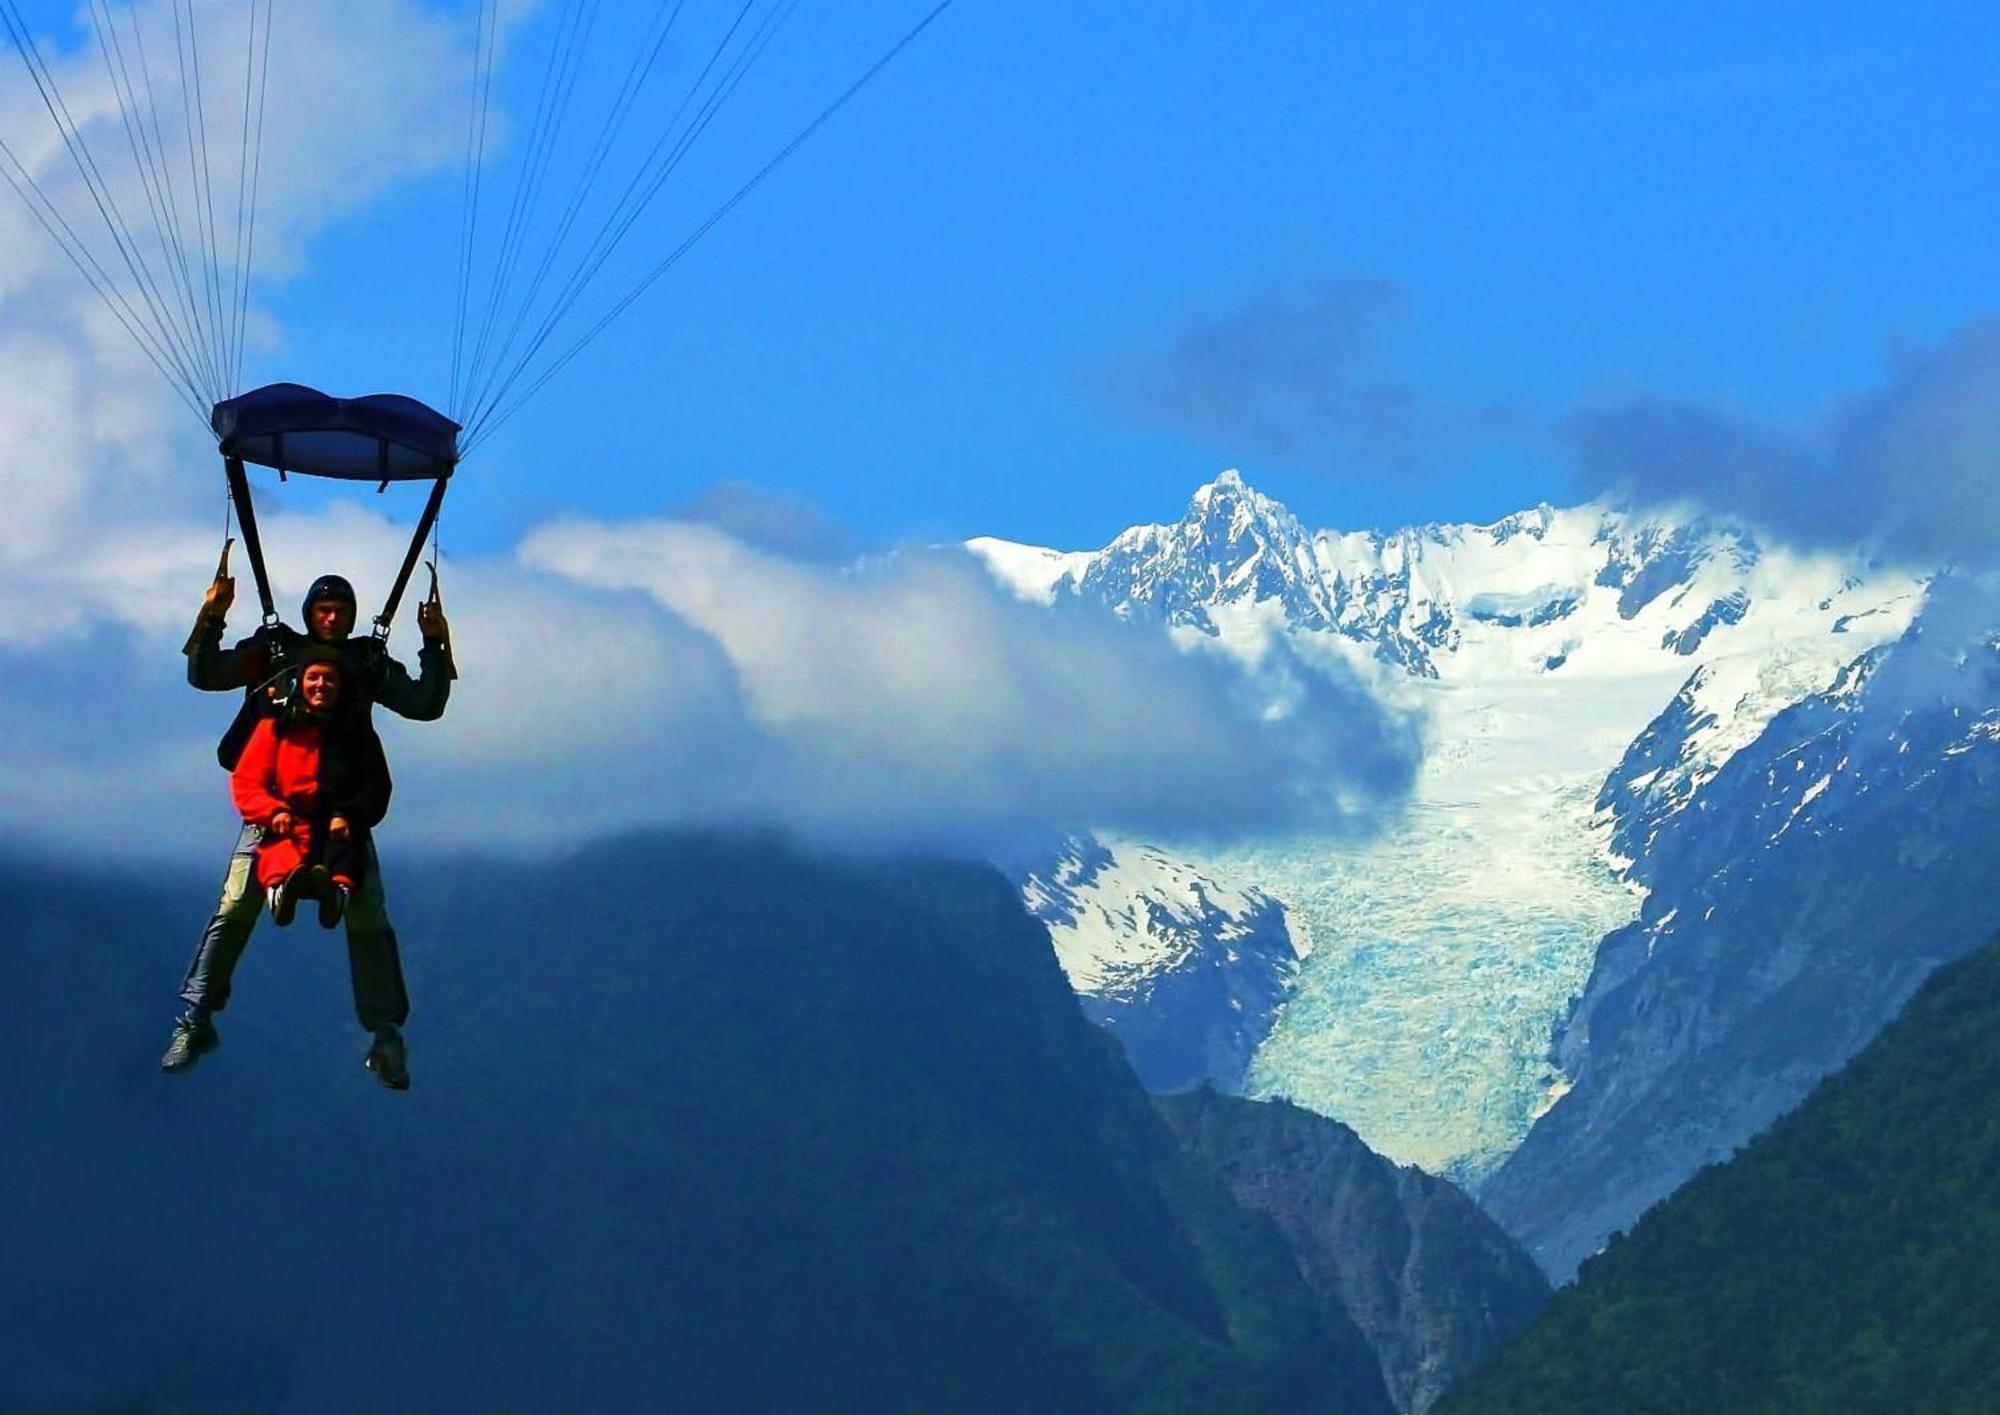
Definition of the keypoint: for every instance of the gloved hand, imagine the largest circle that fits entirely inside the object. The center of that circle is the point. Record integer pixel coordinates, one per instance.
(430, 619)
(215, 602)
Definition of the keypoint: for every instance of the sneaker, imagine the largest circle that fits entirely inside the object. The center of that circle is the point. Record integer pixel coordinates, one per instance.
(389, 1059)
(331, 894)
(194, 1037)
(284, 898)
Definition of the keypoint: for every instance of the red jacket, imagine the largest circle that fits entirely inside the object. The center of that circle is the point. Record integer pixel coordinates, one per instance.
(315, 771)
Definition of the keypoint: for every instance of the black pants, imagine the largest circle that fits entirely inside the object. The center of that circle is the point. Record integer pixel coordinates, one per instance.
(373, 964)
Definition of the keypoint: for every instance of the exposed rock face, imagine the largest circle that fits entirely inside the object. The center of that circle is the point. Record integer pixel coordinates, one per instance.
(1234, 546)
(1625, 920)
(1432, 1282)
(1434, 958)
(1185, 970)
(1799, 894)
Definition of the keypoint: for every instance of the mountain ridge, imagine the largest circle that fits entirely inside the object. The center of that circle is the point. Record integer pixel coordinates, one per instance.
(1539, 650)
(1841, 1260)
(1798, 896)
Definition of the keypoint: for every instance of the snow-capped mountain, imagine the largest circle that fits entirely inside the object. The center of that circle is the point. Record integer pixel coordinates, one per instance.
(1186, 970)
(1441, 600)
(1800, 890)
(1540, 651)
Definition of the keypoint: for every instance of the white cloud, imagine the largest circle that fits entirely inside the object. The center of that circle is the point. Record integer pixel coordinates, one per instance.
(912, 700)
(362, 94)
(615, 675)
(618, 676)
(1906, 468)
(97, 453)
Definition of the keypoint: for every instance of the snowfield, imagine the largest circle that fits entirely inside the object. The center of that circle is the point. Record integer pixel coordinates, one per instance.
(1538, 652)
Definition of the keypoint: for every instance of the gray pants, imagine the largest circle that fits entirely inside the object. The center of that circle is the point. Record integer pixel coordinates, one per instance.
(373, 964)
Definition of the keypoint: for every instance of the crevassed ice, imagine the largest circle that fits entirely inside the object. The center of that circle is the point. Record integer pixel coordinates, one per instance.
(1444, 952)
(1445, 949)
(1539, 648)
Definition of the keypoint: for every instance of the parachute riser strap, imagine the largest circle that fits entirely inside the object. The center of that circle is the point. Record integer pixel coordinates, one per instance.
(246, 516)
(424, 524)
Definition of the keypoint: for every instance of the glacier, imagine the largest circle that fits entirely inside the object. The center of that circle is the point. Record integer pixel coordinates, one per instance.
(1430, 962)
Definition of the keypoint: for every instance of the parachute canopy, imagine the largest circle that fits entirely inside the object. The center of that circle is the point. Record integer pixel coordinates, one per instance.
(381, 438)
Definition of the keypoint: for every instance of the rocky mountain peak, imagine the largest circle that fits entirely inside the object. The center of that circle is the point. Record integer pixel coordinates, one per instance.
(1233, 546)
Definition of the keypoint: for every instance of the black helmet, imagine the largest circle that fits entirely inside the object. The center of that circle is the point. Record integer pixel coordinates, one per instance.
(327, 587)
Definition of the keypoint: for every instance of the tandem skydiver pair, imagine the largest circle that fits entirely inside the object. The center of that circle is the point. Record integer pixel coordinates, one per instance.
(309, 776)
(307, 771)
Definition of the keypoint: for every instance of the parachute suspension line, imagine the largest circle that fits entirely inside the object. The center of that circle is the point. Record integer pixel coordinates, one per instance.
(643, 63)
(151, 173)
(475, 161)
(88, 169)
(257, 163)
(659, 164)
(479, 400)
(646, 185)
(171, 193)
(112, 49)
(493, 421)
(236, 277)
(255, 142)
(551, 110)
(93, 273)
(484, 316)
(187, 52)
(162, 344)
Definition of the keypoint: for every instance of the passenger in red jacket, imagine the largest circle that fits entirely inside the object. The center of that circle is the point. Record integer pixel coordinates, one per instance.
(271, 658)
(315, 782)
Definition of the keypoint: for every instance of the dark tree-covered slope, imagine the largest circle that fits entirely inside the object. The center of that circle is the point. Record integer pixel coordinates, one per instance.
(697, 1124)
(1844, 1261)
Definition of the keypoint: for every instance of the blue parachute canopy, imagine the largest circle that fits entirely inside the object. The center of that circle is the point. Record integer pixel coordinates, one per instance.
(381, 438)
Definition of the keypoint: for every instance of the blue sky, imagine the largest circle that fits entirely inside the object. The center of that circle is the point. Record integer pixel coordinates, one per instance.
(921, 325)
(1059, 266)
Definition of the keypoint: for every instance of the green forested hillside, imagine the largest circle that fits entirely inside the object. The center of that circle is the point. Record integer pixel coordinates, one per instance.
(1847, 1260)
(698, 1124)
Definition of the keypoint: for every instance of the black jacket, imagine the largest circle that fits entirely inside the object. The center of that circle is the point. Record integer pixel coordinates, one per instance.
(354, 776)
(274, 651)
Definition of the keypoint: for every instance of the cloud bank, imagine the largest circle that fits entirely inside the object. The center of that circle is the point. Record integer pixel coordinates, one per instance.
(626, 675)
(1910, 468)
(912, 700)
(1309, 376)
(1304, 375)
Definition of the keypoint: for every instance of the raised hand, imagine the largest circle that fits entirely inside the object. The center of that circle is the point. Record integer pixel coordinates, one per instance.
(430, 616)
(221, 592)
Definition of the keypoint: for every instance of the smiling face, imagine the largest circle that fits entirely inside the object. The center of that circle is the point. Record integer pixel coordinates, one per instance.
(330, 620)
(319, 685)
